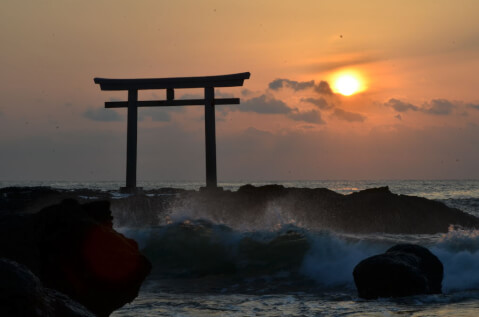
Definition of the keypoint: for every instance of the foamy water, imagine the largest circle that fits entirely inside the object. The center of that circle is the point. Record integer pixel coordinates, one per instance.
(278, 266)
(328, 261)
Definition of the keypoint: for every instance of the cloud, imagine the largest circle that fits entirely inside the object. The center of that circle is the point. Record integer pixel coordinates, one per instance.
(348, 116)
(220, 94)
(246, 92)
(473, 106)
(158, 115)
(439, 107)
(295, 85)
(321, 103)
(323, 88)
(264, 105)
(400, 106)
(191, 96)
(312, 116)
(103, 115)
(434, 107)
(348, 61)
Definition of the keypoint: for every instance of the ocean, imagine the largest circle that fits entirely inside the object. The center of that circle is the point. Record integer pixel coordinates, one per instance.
(206, 265)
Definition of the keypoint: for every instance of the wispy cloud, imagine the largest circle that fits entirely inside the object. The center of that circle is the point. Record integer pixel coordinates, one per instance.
(158, 115)
(221, 94)
(312, 116)
(103, 115)
(295, 85)
(321, 103)
(472, 106)
(345, 61)
(323, 88)
(246, 92)
(348, 116)
(400, 106)
(439, 107)
(264, 105)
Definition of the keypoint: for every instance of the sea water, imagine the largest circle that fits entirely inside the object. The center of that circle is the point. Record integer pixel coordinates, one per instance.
(204, 267)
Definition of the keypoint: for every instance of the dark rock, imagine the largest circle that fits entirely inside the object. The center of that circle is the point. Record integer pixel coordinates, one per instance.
(22, 295)
(31, 199)
(13, 199)
(404, 270)
(366, 211)
(73, 248)
(371, 210)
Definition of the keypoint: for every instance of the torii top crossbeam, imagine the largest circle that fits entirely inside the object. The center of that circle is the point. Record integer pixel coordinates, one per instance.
(209, 83)
(232, 80)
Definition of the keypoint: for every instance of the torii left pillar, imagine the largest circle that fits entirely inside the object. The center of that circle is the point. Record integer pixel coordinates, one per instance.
(131, 141)
(210, 138)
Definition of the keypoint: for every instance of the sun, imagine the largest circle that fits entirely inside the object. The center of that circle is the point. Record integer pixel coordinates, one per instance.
(347, 84)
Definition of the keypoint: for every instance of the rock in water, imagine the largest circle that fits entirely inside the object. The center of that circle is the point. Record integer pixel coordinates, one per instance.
(404, 270)
(74, 249)
(22, 294)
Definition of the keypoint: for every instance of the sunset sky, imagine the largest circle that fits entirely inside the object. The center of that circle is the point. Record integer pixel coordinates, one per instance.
(416, 115)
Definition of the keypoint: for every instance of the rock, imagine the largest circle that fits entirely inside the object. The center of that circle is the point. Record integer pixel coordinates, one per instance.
(23, 295)
(74, 249)
(366, 211)
(370, 210)
(404, 270)
(26, 198)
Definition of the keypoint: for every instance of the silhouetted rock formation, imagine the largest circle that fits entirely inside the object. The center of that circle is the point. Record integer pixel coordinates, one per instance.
(32, 199)
(366, 211)
(371, 210)
(404, 270)
(22, 295)
(73, 248)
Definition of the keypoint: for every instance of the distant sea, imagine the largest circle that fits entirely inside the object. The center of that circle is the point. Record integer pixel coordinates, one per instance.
(193, 259)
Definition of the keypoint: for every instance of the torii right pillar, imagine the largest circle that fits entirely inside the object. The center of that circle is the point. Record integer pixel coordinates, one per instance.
(210, 138)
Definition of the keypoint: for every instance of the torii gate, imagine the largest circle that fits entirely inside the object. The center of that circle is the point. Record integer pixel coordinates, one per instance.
(209, 83)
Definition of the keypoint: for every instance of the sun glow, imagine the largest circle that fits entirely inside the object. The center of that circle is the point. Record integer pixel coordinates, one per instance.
(347, 84)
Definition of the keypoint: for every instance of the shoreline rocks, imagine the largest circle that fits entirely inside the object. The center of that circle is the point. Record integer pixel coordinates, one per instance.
(22, 294)
(74, 249)
(366, 211)
(403, 270)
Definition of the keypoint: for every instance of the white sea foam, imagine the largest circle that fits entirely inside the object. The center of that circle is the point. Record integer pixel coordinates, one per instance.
(331, 260)
(458, 250)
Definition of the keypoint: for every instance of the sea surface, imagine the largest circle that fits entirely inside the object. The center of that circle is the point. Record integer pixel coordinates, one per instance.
(204, 266)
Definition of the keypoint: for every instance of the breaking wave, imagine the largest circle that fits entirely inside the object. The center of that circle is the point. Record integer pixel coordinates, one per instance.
(291, 254)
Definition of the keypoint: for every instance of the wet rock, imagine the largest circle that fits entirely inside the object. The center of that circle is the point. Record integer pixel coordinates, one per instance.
(13, 199)
(366, 211)
(73, 248)
(23, 295)
(403, 270)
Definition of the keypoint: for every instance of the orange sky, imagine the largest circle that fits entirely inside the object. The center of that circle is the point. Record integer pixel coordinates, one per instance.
(418, 117)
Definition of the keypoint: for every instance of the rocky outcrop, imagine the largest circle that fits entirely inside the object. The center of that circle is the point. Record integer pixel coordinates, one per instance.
(371, 210)
(404, 270)
(366, 211)
(73, 248)
(23, 295)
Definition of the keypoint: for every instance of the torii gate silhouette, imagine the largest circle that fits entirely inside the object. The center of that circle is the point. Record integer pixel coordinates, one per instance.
(209, 83)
